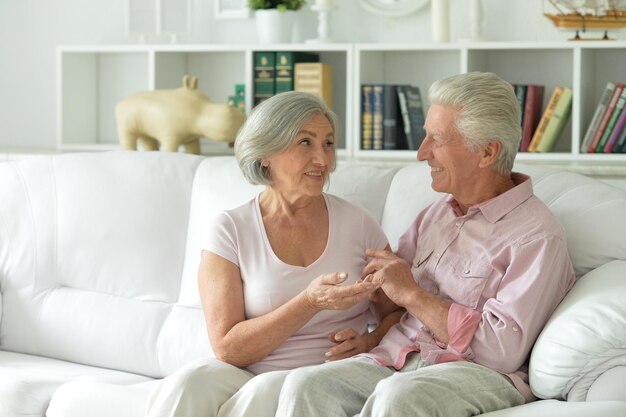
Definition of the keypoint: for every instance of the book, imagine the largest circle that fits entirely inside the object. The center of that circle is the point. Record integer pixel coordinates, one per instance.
(391, 119)
(285, 68)
(264, 77)
(532, 113)
(412, 110)
(597, 116)
(611, 125)
(239, 99)
(606, 116)
(545, 119)
(621, 143)
(366, 117)
(520, 93)
(315, 78)
(557, 122)
(377, 116)
(620, 126)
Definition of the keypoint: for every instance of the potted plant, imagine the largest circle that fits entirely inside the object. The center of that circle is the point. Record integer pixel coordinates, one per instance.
(280, 5)
(274, 19)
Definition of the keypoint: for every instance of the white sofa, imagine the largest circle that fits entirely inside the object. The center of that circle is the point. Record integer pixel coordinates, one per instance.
(98, 260)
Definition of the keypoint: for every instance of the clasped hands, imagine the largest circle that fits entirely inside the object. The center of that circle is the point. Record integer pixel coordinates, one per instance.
(386, 278)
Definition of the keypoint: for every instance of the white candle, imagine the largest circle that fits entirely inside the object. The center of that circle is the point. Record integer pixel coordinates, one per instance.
(440, 20)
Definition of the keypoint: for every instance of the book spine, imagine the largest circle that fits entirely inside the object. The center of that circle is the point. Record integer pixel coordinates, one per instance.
(285, 67)
(264, 77)
(617, 132)
(377, 116)
(597, 116)
(557, 122)
(621, 142)
(605, 118)
(545, 119)
(611, 125)
(532, 114)
(390, 117)
(366, 117)
(416, 115)
(315, 78)
(520, 93)
(406, 122)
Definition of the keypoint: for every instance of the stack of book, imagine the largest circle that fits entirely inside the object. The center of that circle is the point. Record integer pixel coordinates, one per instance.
(392, 117)
(607, 131)
(277, 72)
(552, 121)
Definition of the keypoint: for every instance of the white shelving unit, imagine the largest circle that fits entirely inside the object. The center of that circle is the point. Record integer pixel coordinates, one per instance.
(586, 67)
(92, 79)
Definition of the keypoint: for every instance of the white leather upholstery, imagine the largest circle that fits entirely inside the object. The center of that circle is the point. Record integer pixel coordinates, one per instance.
(99, 255)
(584, 338)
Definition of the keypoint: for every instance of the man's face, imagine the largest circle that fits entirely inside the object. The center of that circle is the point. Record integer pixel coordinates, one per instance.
(452, 166)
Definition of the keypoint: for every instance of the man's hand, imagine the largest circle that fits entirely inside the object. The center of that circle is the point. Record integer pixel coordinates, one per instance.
(392, 273)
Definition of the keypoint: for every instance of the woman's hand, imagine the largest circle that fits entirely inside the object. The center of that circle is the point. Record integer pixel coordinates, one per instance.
(325, 293)
(348, 343)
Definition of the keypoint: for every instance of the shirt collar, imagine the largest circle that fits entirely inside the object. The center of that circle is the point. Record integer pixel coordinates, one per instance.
(497, 207)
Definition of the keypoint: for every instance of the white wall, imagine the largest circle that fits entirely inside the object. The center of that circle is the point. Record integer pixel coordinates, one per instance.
(30, 30)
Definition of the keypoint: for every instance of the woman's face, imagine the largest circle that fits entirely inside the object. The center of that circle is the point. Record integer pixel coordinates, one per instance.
(302, 169)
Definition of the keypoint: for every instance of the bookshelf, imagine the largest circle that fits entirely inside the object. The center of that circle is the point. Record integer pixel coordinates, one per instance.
(92, 79)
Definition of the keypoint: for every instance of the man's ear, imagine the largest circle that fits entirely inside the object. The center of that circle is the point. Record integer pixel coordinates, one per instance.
(490, 153)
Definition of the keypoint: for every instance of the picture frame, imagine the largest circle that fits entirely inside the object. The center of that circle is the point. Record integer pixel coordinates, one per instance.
(232, 9)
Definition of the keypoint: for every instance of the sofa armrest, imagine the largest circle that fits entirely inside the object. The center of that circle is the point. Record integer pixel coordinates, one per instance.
(584, 338)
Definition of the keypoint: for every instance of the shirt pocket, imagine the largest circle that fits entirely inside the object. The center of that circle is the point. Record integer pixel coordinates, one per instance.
(463, 280)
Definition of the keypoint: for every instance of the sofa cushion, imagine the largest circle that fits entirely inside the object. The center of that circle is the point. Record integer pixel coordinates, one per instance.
(28, 382)
(91, 259)
(584, 338)
(409, 192)
(99, 399)
(589, 211)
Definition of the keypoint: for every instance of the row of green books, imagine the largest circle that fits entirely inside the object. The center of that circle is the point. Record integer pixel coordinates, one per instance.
(607, 131)
(392, 117)
(274, 72)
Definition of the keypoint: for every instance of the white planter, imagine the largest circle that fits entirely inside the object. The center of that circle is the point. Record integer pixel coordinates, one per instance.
(274, 26)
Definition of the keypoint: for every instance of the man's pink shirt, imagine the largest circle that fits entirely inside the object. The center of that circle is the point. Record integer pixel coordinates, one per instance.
(504, 266)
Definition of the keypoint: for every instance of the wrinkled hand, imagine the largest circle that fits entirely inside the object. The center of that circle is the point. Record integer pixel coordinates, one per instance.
(392, 273)
(347, 343)
(325, 293)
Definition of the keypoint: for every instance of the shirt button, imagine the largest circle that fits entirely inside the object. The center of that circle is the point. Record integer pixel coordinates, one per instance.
(459, 224)
(437, 255)
(467, 271)
(515, 329)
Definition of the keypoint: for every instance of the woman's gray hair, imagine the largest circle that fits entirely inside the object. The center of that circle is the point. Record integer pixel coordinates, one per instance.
(488, 110)
(271, 128)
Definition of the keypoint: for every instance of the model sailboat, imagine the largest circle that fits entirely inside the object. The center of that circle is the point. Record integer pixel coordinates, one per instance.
(586, 15)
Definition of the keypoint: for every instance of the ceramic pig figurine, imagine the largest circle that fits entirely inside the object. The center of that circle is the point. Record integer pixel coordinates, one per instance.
(175, 117)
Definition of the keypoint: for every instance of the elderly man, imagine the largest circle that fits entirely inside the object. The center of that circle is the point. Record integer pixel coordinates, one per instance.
(479, 272)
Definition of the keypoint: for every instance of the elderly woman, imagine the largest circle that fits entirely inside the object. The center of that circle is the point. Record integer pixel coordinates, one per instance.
(279, 276)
